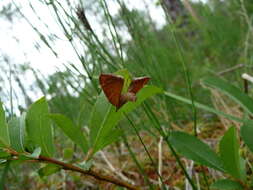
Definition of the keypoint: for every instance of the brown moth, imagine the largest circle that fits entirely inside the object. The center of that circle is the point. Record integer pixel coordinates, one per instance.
(112, 86)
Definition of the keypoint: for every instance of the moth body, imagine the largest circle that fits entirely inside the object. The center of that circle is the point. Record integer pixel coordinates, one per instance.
(129, 96)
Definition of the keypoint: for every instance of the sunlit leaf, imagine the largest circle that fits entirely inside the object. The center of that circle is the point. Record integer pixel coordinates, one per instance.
(39, 128)
(4, 131)
(36, 153)
(17, 133)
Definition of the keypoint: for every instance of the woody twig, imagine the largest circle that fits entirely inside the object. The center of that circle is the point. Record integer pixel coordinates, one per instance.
(67, 166)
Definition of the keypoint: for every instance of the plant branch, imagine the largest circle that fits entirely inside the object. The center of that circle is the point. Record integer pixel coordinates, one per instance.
(71, 167)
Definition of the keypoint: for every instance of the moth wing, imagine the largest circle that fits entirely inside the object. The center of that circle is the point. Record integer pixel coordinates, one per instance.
(112, 86)
(137, 84)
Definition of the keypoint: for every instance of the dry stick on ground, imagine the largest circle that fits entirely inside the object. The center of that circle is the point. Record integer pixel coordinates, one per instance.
(113, 169)
(220, 103)
(160, 159)
(231, 69)
(189, 169)
(67, 166)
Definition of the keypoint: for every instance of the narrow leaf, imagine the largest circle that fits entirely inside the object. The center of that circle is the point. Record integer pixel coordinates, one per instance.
(246, 134)
(226, 184)
(17, 133)
(202, 106)
(233, 92)
(70, 130)
(99, 112)
(39, 129)
(229, 151)
(243, 168)
(194, 149)
(4, 132)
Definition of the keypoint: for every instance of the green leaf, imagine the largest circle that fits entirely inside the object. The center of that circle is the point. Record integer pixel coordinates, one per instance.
(227, 184)
(70, 130)
(229, 152)
(112, 137)
(4, 154)
(194, 149)
(36, 153)
(233, 92)
(49, 169)
(39, 129)
(104, 117)
(4, 132)
(100, 109)
(17, 133)
(202, 106)
(243, 168)
(246, 134)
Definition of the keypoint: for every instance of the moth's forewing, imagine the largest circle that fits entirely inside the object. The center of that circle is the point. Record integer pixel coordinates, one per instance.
(112, 86)
(137, 84)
